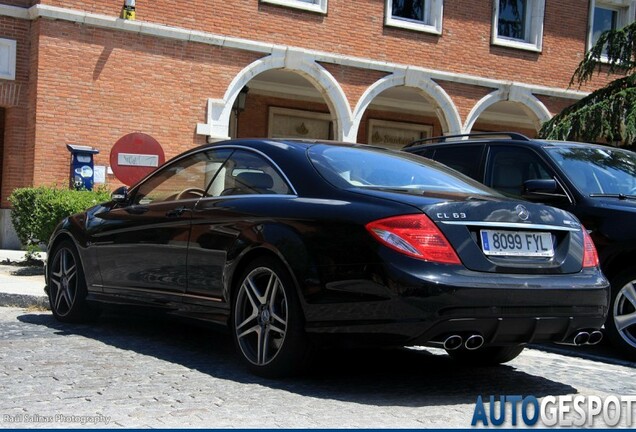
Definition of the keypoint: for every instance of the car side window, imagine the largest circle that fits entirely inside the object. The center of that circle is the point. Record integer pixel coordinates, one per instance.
(465, 159)
(248, 173)
(510, 167)
(186, 178)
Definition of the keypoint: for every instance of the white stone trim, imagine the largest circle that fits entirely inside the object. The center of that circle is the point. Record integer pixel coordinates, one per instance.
(170, 32)
(531, 103)
(319, 6)
(219, 110)
(14, 12)
(533, 40)
(7, 59)
(445, 108)
(533, 106)
(433, 17)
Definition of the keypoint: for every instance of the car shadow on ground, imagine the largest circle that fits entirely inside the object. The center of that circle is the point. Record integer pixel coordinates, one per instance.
(604, 352)
(396, 377)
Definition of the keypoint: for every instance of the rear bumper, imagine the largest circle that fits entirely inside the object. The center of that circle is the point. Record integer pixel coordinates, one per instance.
(395, 305)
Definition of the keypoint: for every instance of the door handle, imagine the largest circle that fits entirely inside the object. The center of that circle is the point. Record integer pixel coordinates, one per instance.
(137, 209)
(177, 212)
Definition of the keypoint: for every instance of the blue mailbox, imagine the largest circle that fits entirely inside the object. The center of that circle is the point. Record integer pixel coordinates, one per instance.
(82, 175)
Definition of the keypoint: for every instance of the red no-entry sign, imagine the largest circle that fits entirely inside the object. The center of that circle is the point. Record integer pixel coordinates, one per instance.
(134, 156)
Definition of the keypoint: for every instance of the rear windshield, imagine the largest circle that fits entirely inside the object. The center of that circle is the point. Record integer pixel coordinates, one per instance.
(376, 168)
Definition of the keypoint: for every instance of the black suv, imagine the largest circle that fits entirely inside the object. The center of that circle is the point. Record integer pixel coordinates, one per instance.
(596, 183)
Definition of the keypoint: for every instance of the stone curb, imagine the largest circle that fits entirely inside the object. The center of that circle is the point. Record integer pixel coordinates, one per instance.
(23, 300)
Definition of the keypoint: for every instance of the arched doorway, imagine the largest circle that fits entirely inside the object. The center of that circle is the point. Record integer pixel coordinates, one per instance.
(510, 110)
(282, 104)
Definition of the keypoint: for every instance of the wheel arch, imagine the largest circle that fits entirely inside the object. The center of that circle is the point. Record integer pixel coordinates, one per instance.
(59, 238)
(55, 241)
(249, 256)
(619, 263)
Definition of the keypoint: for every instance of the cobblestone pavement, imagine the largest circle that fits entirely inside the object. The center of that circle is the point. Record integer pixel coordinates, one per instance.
(142, 372)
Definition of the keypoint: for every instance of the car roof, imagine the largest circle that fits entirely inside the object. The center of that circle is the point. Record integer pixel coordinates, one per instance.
(517, 142)
(292, 142)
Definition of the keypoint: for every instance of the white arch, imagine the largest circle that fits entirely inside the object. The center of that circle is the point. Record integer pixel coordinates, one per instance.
(533, 106)
(219, 110)
(531, 102)
(446, 110)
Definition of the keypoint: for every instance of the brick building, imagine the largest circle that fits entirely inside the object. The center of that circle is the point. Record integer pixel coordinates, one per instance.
(371, 71)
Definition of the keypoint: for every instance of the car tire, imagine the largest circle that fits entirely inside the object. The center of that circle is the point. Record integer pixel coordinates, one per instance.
(67, 285)
(620, 332)
(267, 322)
(489, 356)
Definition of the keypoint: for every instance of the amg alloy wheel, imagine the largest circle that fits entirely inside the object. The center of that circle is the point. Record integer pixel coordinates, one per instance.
(67, 286)
(621, 322)
(267, 320)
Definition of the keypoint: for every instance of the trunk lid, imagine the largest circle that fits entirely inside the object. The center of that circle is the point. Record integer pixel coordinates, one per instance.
(551, 239)
(510, 236)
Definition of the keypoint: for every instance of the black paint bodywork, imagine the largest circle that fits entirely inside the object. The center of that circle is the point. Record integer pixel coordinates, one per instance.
(187, 264)
(611, 221)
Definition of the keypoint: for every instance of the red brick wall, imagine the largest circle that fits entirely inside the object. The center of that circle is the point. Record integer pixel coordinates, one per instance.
(482, 126)
(91, 86)
(356, 28)
(354, 82)
(115, 83)
(2, 117)
(17, 169)
(464, 96)
(555, 105)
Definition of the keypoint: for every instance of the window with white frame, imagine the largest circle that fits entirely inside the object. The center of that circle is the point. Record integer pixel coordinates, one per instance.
(319, 6)
(7, 59)
(518, 23)
(609, 15)
(419, 15)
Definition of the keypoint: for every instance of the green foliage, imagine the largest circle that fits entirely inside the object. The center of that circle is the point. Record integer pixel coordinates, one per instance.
(37, 211)
(608, 114)
(614, 51)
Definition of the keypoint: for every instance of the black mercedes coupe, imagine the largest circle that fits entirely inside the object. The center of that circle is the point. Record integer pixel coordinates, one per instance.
(295, 243)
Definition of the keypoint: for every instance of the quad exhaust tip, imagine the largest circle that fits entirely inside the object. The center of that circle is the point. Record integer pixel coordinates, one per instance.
(474, 342)
(595, 337)
(591, 337)
(452, 342)
(581, 338)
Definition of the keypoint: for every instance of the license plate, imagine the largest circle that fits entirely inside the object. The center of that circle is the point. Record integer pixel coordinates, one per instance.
(517, 243)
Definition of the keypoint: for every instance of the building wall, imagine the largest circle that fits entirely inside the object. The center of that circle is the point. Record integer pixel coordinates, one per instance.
(91, 86)
(354, 81)
(88, 85)
(17, 169)
(356, 28)
(121, 83)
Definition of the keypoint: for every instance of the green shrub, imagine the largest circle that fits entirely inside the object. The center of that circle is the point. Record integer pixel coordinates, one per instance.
(37, 210)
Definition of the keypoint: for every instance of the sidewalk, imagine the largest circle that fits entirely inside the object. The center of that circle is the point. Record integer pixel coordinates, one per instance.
(18, 285)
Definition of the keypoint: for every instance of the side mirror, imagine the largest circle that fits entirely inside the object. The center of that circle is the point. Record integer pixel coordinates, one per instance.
(544, 189)
(120, 195)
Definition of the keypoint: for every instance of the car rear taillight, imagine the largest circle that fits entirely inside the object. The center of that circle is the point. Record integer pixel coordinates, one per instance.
(415, 236)
(590, 256)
